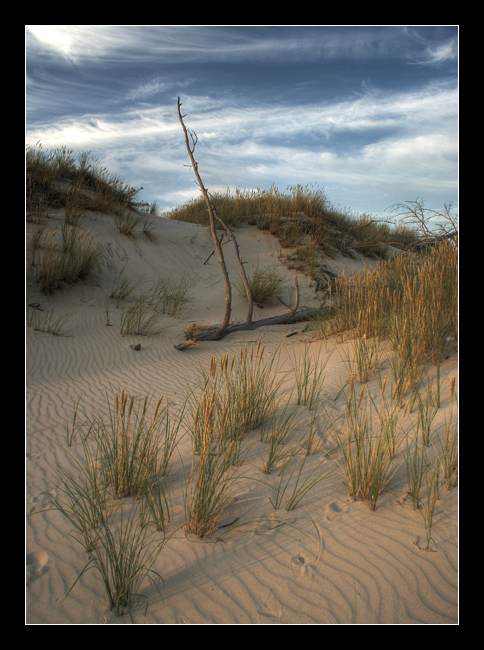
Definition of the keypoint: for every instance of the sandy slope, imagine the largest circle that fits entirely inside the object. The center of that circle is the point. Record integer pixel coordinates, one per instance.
(329, 561)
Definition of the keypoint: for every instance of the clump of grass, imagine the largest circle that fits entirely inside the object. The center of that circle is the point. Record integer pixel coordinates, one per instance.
(113, 495)
(264, 285)
(141, 319)
(121, 548)
(300, 487)
(277, 431)
(64, 257)
(60, 177)
(163, 297)
(365, 358)
(416, 465)
(366, 455)
(209, 491)
(429, 503)
(46, 321)
(143, 316)
(299, 215)
(169, 296)
(127, 222)
(309, 376)
(449, 446)
(241, 392)
(411, 300)
(129, 444)
(123, 287)
(123, 554)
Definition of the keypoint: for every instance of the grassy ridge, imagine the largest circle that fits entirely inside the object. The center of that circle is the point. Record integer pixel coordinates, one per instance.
(300, 217)
(58, 177)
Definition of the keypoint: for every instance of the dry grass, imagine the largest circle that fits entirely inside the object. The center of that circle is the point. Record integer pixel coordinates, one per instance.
(411, 300)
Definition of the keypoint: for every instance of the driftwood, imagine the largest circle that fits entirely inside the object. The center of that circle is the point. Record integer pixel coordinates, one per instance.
(219, 331)
(433, 242)
(207, 333)
(283, 319)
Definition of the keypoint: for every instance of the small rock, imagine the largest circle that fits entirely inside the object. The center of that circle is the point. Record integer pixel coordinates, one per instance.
(137, 347)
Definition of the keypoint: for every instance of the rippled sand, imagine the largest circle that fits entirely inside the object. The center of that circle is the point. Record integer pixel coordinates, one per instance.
(331, 560)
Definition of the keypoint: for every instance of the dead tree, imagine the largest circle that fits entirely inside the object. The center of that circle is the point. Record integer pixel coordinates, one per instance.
(191, 140)
(218, 331)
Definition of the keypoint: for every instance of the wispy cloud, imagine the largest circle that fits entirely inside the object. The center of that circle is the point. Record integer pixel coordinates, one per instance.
(410, 139)
(183, 43)
(368, 112)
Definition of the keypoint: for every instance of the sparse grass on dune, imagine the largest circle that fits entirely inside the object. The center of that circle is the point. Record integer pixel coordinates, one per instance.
(411, 300)
(301, 217)
(63, 255)
(59, 177)
(116, 500)
(241, 392)
(264, 284)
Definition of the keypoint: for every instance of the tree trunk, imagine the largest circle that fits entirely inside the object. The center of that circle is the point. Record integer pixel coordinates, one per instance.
(219, 331)
(191, 136)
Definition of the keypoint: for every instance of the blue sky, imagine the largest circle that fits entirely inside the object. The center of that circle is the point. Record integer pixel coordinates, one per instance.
(368, 113)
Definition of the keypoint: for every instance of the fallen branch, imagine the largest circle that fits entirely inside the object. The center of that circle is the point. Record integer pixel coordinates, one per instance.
(282, 319)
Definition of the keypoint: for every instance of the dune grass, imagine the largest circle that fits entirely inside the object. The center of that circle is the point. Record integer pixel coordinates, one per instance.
(113, 495)
(143, 316)
(63, 255)
(302, 218)
(365, 448)
(309, 374)
(60, 177)
(210, 489)
(264, 284)
(46, 321)
(240, 394)
(411, 300)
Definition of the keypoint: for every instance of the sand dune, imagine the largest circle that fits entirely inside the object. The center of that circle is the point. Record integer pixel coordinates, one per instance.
(331, 560)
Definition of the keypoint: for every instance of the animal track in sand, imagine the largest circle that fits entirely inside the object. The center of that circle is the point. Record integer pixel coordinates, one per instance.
(302, 565)
(42, 502)
(335, 510)
(36, 565)
(271, 607)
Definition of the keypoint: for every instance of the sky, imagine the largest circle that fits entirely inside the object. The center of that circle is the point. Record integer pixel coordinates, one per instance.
(368, 114)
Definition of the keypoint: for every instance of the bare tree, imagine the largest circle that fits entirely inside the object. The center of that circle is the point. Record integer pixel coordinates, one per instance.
(218, 331)
(415, 214)
(191, 140)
